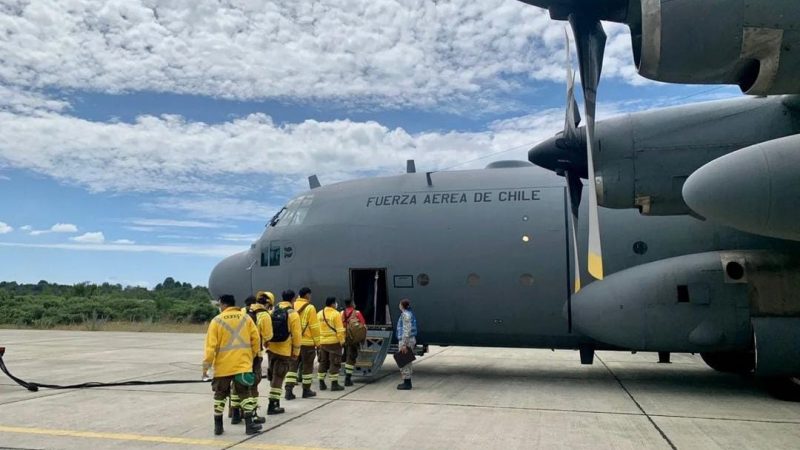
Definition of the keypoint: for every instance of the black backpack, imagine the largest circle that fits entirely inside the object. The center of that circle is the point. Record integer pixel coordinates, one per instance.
(280, 324)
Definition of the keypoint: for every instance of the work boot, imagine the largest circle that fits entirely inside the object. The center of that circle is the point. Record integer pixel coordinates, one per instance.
(236, 416)
(250, 427)
(218, 425)
(404, 386)
(258, 419)
(289, 394)
(274, 407)
(322, 385)
(335, 386)
(307, 392)
(348, 380)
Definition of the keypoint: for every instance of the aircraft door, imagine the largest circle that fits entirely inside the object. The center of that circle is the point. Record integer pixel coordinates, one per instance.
(368, 291)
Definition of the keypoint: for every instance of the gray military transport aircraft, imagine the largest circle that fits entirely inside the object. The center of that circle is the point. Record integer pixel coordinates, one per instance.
(488, 255)
(491, 257)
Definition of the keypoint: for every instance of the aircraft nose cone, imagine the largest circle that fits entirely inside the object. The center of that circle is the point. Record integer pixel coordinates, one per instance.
(557, 154)
(232, 276)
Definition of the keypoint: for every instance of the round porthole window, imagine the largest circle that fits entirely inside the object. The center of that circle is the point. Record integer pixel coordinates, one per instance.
(423, 279)
(526, 279)
(639, 247)
(473, 279)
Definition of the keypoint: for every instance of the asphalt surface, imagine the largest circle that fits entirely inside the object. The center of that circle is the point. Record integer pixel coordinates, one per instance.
(463, 398)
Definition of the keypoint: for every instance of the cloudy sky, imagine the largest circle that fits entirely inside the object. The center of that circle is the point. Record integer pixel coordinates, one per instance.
(141, 139)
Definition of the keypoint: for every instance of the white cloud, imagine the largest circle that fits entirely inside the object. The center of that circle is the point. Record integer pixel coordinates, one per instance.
(219, 208)
(27, 102)
(174, 223)
(179, 237)
(5, 228)
(141, 229)
(215, 251)
(64, 228)
(376, 51)
(4, 178)
(124, 242)
(90, 238)
(219, 159)
(26, 228)
(234, 237)
(57, 228)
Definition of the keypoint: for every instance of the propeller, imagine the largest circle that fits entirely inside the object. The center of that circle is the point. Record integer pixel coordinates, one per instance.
(590, 40)
(574, 185)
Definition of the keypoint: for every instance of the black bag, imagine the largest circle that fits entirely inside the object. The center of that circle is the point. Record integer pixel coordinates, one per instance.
(280, 324)
(404, 359)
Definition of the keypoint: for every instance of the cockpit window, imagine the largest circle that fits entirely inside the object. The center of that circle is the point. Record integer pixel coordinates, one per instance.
(294, 213)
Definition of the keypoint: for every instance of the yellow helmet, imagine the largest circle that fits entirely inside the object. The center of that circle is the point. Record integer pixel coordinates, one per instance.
(270, 296)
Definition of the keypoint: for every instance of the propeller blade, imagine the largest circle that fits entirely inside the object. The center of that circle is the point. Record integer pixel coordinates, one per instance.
(590, 40)
(574, 189)
(573, 115)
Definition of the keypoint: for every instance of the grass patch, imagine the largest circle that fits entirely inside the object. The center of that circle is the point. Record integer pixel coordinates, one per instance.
(143, 327)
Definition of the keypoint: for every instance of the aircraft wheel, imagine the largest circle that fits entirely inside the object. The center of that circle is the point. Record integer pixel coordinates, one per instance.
(730, 362)
(784, 388)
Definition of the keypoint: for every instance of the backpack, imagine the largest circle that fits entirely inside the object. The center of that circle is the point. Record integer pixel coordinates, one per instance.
(356, 331)
(280, 324)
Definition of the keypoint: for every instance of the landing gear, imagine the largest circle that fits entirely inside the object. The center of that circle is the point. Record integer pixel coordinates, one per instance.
(784, 388)
(731, 362)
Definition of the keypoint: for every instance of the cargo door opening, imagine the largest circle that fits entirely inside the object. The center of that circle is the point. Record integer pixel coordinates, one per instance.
(368, 291)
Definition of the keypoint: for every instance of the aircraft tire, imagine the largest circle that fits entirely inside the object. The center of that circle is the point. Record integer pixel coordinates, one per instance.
(784, 388)
(730, 362)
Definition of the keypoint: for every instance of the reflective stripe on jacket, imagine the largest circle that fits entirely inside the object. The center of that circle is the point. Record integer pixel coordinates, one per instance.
(263, 323)
(331, 326)
(291, 346)
(232, 342)
(309, 322)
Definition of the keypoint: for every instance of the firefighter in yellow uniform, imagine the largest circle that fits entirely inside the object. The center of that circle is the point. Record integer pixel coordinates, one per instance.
(258, 312)
(267, 299)
(236, 410)
(282, 353)
(309, 325)
(232, 342)
(332, 335)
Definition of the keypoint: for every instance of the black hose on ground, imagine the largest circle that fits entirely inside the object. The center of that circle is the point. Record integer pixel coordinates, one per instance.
(33, 387)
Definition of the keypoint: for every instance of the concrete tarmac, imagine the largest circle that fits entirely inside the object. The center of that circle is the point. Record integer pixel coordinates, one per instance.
(463, 398)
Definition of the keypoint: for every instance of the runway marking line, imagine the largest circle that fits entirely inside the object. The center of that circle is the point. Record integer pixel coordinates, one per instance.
(148, 438)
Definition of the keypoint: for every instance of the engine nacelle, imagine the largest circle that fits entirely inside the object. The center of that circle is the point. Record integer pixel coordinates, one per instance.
(751, 43)
(694, 303)
(755, 189)
(643, 159)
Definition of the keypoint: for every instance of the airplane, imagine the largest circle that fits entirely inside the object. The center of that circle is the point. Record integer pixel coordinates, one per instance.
(491, 257)
(488, 256)
(485, 257)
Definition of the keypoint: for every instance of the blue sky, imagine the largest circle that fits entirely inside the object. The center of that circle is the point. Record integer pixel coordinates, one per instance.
(143, 140)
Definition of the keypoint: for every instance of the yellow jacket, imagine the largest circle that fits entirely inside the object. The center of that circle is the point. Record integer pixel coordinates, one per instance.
(309, 322)
(231, 343)
(331, 326)
(291, 346)
(263, 323)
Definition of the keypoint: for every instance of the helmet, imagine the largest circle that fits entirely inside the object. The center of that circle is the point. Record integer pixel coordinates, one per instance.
(269, 295)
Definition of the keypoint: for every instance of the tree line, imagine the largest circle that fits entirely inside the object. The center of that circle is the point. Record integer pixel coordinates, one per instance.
(47, 304)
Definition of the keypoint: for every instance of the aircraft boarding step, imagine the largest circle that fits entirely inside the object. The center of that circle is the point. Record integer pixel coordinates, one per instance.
(374, 350)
